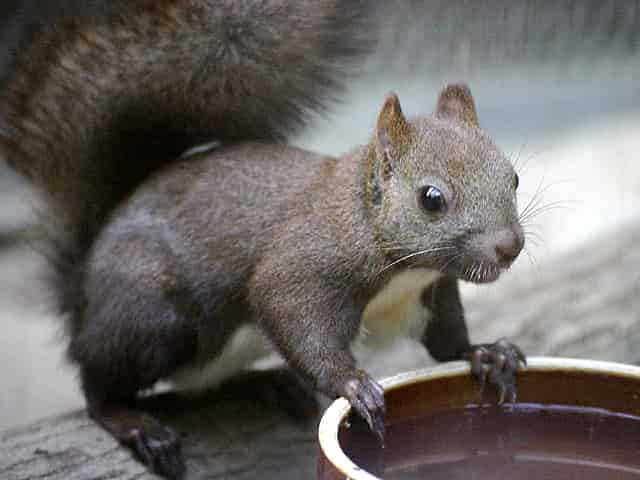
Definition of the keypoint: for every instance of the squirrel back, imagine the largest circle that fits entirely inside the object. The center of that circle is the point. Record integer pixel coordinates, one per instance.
(98, 95)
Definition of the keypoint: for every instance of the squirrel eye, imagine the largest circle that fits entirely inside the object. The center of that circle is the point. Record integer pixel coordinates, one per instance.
(516, 182)
(432, 199)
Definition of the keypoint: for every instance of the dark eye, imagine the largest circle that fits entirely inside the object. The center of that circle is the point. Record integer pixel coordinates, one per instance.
(432, 199)
(516, 182)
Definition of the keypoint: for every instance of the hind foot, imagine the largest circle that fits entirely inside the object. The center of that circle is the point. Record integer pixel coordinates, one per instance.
(155, 445)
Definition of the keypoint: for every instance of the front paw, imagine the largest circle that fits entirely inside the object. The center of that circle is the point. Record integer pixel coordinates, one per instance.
(366, 397)
(497, 364)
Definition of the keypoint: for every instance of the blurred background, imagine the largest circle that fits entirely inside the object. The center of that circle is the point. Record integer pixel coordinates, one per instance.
(556, 83)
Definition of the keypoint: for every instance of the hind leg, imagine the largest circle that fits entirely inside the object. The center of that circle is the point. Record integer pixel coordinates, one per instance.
(111, 395)
(135, 330)
(112, 379)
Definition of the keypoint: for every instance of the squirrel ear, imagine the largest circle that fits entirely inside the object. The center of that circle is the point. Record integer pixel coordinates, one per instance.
(456, 102)
(392, 129)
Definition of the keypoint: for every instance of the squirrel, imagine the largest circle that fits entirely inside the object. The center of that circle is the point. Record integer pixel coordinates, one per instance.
(164, 263)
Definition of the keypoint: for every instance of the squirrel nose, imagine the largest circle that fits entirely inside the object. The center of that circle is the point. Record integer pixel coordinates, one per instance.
(508, 247)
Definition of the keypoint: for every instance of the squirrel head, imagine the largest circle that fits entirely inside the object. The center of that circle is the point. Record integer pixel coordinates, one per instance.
(443, 194)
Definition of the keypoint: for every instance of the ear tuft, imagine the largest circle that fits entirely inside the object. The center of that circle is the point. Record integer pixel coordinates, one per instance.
(392, 128)
(391, 107)
(455, 102)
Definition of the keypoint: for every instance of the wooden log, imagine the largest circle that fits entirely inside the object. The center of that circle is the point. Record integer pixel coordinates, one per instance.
(583, 304)
(231, 433)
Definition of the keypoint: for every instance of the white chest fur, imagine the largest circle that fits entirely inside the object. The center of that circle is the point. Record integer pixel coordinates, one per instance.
(396, 311)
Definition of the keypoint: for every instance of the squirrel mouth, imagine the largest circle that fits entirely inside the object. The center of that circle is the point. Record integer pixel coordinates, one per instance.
(481, 273)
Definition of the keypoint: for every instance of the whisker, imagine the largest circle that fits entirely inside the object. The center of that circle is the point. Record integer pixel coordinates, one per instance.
(535, 202)
(532, 258)
(452, 259)
(415, 254)
(399, 245)
(558, 205)
(534, 239)
(516, 161)
(522, 162)
(534, 198)
(532, 230)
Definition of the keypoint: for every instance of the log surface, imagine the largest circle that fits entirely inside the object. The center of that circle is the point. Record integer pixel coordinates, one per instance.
(583, 304)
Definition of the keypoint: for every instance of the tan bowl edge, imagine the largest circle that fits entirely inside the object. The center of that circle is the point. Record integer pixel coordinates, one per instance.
(338, 410)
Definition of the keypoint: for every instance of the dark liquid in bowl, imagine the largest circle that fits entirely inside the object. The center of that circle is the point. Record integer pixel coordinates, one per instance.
(522, 441)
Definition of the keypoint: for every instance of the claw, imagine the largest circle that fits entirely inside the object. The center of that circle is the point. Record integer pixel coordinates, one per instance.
(379, 429)
(502, 390)
(363, 412)
(512, 363)
(499, 362)
(159, 450)
(519, 353)
(485, 370)
(367, 398)
(140, 447)
(478, 360)
(514, 395)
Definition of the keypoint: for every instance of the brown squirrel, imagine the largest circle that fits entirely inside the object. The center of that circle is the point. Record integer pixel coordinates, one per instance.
(166, 263)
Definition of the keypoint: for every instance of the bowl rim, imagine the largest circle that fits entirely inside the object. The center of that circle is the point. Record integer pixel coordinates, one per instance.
(338, 410)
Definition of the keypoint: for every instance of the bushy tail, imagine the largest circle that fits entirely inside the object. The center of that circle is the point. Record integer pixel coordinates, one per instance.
(99, 99)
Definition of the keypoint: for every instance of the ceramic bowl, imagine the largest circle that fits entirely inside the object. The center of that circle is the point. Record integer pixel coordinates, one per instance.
(557, 381)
